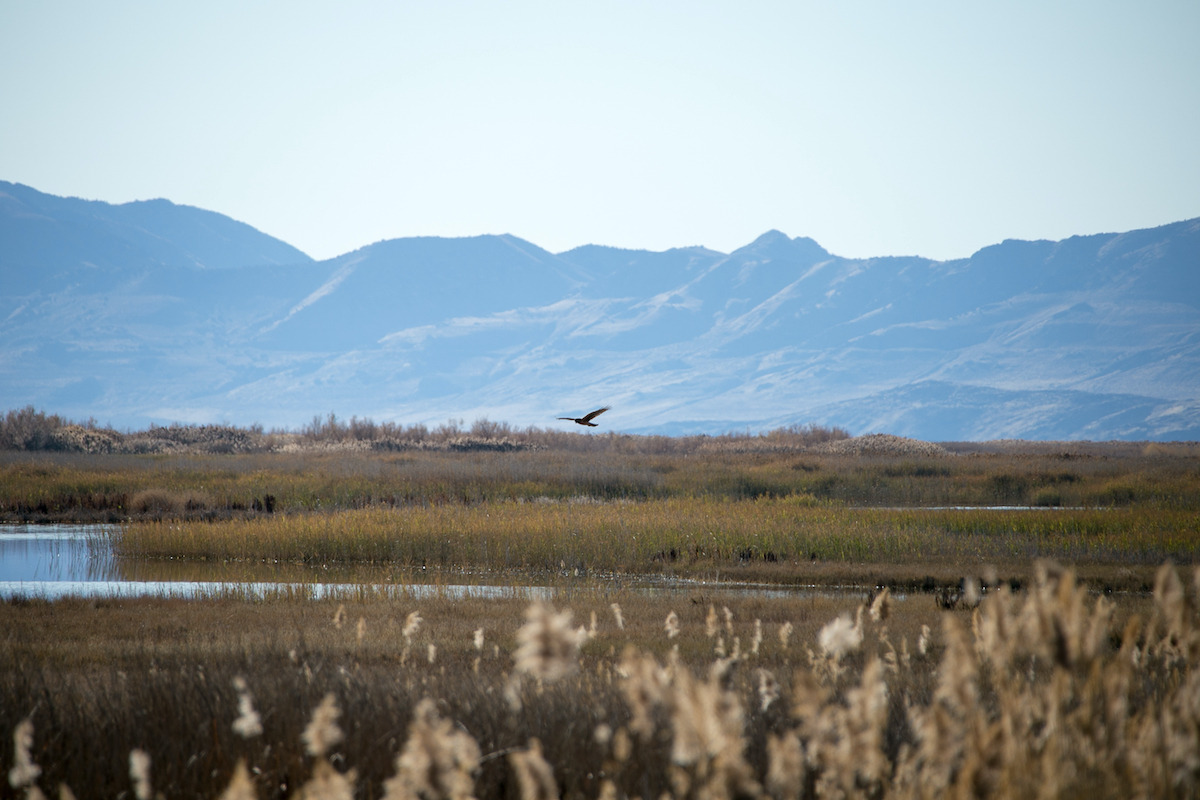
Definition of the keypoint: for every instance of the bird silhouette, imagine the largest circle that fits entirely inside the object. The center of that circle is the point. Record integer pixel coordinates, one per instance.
(586, 419)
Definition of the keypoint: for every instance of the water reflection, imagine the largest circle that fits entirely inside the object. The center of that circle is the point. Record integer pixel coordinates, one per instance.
(50, 590)
(78, 560)
(55, 553)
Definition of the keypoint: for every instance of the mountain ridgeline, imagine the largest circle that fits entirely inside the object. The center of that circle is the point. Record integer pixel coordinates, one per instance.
(151, 312)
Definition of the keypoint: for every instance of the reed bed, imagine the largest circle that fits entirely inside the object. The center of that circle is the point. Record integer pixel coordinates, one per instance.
(673, 536)
(1051, 691)
(114, 487)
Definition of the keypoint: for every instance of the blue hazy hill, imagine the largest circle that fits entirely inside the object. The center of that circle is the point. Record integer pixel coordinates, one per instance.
(154, 312)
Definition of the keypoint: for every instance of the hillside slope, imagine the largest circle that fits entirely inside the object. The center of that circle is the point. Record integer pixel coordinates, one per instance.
(152, 312)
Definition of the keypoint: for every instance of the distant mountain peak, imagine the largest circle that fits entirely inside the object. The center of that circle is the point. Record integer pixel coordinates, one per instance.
(42, 232)
(775, 245)
(123, 313)
(771, 237)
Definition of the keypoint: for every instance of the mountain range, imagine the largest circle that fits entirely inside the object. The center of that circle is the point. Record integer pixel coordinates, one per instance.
(152, 312)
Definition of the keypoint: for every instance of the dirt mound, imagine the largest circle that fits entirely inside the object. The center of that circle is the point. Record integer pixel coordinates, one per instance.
(881, 444)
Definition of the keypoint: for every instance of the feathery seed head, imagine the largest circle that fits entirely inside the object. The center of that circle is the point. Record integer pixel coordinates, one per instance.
(323, 732)
(785, 634)
(241, 786)
(139, 773)
(768, 688)
(248, 722)
(839, 637)
(438, 761)
(412, 623)
(327, 783)
(616, 610)
(534, 775)
(24, 771)
(547, 645)
(644, 685)
(881, 605)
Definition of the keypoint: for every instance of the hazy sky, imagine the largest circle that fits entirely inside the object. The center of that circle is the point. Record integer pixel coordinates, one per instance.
(876, 128)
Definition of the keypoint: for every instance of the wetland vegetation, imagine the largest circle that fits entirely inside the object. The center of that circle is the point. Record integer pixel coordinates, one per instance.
(1010, 630)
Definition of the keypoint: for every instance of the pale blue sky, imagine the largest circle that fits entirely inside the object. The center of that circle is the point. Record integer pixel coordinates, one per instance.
(876, 128)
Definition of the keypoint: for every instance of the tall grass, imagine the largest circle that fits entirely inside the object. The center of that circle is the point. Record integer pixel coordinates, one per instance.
(85, 487)
(680, 536)
(1051, 691)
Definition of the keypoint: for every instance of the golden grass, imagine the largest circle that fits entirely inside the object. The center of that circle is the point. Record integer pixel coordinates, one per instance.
(1051, 691)
(1019, 683)
(81, 487)
(774, 539)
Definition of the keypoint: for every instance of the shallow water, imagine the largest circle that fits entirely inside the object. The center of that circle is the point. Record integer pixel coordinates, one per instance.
(55, 553)
(77, 560)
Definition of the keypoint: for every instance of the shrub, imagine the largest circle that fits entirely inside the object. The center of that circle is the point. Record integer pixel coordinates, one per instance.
(29, 429)
(1048, 498)
(162, 503)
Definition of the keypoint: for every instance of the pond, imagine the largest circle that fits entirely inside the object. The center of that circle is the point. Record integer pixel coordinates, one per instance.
(51, 561)
(78, 560)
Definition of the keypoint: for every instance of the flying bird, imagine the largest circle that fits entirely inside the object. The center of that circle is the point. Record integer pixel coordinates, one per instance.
(586, 419)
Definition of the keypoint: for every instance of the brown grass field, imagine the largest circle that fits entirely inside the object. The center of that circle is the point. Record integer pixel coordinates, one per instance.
(945, 651)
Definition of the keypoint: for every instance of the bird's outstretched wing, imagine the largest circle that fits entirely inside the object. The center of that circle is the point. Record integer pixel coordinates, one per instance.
(596, 413)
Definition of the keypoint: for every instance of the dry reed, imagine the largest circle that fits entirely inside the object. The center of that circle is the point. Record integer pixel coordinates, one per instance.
(1046, 692)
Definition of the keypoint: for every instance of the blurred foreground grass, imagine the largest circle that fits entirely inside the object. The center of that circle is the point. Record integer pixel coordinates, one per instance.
(1048, 691)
